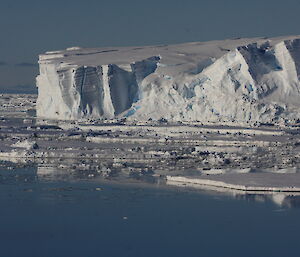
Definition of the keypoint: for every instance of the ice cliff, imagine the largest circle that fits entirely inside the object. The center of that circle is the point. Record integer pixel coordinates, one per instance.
(239, 80)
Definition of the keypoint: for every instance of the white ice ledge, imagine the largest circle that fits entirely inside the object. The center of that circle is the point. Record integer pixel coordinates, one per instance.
(262, 182)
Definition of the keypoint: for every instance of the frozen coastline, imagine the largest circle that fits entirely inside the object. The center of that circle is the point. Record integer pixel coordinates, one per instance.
(243, 158)
(220, 114)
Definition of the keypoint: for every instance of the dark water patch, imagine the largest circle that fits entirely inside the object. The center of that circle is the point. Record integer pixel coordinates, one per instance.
(82, 217)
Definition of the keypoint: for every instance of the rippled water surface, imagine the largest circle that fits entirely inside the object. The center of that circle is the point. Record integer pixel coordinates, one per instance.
(81, 216)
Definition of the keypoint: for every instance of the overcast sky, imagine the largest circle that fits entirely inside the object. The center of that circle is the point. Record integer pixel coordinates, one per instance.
(34, 26)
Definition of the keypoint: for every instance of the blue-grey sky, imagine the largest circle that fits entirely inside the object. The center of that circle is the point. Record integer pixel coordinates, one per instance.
(34, 26)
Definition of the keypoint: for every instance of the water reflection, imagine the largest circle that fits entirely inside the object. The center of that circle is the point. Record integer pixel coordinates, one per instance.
(106, 173)
(280, 199)
(46, 172)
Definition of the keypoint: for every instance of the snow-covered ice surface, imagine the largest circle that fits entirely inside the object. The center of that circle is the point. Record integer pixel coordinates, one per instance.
(261, 157)
(239, 81)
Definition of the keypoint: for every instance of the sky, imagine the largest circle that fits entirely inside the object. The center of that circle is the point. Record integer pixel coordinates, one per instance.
(31, 27)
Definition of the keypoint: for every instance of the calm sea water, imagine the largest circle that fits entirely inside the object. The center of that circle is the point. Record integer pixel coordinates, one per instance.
(88, 217)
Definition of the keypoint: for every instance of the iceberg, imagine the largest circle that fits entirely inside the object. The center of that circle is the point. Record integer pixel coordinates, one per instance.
(236, 80)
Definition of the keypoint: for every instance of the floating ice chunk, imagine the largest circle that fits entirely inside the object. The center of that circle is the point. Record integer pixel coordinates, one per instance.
(73, 48)
(27, 144)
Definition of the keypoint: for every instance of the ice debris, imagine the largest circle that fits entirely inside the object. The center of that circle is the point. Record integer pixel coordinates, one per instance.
(27, 144)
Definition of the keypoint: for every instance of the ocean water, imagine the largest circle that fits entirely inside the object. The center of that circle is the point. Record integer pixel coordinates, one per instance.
(55, 216)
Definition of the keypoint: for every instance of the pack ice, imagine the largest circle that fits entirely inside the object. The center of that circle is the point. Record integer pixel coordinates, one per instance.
(238, 80)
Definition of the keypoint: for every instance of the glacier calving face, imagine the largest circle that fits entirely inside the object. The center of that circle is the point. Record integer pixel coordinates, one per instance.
(241, 80)
(90, 91)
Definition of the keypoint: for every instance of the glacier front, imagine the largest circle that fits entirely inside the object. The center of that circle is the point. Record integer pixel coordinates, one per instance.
(237, 80)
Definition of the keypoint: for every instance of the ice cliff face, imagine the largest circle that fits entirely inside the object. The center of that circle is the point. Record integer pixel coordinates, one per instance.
(241, 80)
(90, 91)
